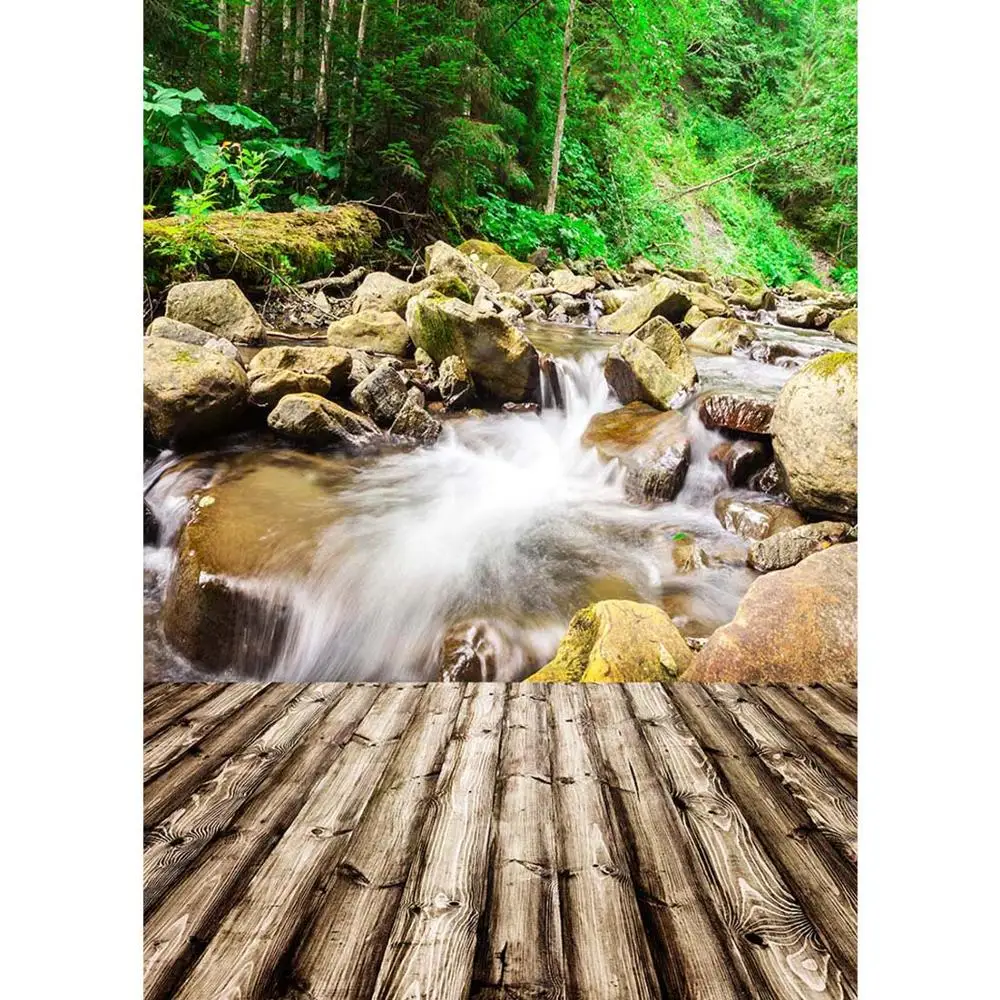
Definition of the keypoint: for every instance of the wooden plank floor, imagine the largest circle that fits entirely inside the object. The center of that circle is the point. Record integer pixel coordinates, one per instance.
(500, 842)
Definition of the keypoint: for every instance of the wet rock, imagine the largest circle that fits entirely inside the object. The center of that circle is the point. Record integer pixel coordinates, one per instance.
(755, 519)
(736, 412)
(815, 435)
(509, 274)
(383, 292)
(651, 445)
(793, 626)
(441, 258)
(173, 329)
(637, 373)
(830, 298)
(806, 314)
(381, 395)
(414, 422)
(751, 295)
(769, 480)
(618, 641)
(333, 363)
(454, 382)
(718, 335)
(741, 459)
(189, 391)
(566, 281)
(773, 352)
(550, 379)
(150, 525)
(501, 360)
(217, 307)
(267, 386)
(371, 330)
(845, 326)
(316, 422)
(664, 339)
(473, 651)
(532, 408)
(791, 546)
(660, 297)
(688, 556)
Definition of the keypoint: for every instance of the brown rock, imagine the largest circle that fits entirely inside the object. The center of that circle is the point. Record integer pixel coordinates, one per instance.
(791, 546)
(333, 363)
(755, 519)
(736, 412)
(313, 421)
(267, 386)
(371, 330)
(217, 307)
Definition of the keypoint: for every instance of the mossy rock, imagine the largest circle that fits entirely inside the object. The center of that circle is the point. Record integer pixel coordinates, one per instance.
(618, 642)
(254, 247)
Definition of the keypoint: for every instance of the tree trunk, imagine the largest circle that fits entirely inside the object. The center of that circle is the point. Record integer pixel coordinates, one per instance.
(329, 12)
(358, 53)
(550, 202)
(223, 23)
(249, 46)
(300, 48)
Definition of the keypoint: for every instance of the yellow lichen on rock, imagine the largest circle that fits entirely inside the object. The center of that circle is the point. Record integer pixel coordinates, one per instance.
(618, 642)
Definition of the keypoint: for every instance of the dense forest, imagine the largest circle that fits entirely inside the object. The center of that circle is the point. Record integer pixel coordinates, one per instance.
(716, 133)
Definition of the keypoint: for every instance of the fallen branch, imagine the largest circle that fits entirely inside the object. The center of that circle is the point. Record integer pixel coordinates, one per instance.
(317, 284)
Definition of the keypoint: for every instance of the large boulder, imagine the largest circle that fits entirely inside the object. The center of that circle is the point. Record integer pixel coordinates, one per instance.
(440, 258)
(618, 642)
(268, 385)
(755, 519)
(845, 326)
(637, 373)
(381, 395)
(311, 420)
(565, 281)
(501, 360)
(665, 340)
(333, 363)
(791, 546)
(660, 297)
(815, 435)
(751, 295)
(810, 315)
(794, 626)
(709, 304)
(718, 335)
(736, 411)
(189, 391)
(652, 446)
(371, 330)
(509, 273)
(217, 307)
(382, 292)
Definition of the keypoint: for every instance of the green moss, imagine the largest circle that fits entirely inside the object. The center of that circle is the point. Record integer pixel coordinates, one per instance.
(259, 247)
(573, 654)
(829, 364)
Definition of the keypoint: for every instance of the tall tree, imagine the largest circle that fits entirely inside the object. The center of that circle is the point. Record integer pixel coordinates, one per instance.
(300, 48)
(359, 51)
(567, 60)
(249, 47)
(322, 103)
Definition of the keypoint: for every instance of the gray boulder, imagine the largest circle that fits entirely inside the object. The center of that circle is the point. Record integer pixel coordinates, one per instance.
(218, 307)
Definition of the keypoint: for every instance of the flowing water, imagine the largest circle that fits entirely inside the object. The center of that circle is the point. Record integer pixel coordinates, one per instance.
(466, 559)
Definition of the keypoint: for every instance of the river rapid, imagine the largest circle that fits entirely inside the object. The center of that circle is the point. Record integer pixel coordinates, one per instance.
(466, 559)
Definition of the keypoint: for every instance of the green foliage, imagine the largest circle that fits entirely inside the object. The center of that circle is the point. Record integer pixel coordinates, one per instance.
(520, 230)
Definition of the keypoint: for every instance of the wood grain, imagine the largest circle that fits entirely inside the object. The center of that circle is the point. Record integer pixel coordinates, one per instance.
(168, 702)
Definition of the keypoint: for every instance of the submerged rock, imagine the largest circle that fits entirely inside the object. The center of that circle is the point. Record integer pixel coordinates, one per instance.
(371, 330)
(791, 546)
(845, 326)
(755, 519)
(501, 360)
(736, 412)
(189, 391)
(316, 422)
(651, 445)
(718, 335)
(381, 395)
(815, 435)
(618, 641)
(217, 307)
(793, 626)
(661, 297)
(268, 385)
(637, 373)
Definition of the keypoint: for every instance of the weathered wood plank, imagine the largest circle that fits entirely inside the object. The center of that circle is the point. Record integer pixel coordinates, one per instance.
(520, 951)
(826, 798)
(847, 694)
(240, 961)
(432, 945)
(173, 844)
(822, 882)
(695, 954)
(607, 955)
(174, 786)
(827, 707)
(339, 956)
(189, 914)
(170, 704)
(779, 942)
(837, 753)
(193, 726)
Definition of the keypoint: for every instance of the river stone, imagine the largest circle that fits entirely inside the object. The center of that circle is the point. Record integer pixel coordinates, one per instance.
(371, 330)
(174, 329)
(751, 295)
(741, 459)
(831, 298)
(736, 412)
(815, 435)
(661, 297)
(755, 519)
(381, 395)
(662, 337)
(651, 445)
(719, 335)
(791, 546)
(333, 363)
(501, 360)
(693, 318)
(454, 383)
(618, 641)
(150, 525)
(709, 304)
(316, 422)
(845, 326)
(413, 421)
(189, 391)
(614, 298)
(769, 480)
(808, 315)
(564, 280)
(636, 372)
(383, 292)
(441, 257)
(695, 274)
(793, 626)
(509, 273)
(268, 385)
(217, 307)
